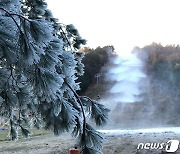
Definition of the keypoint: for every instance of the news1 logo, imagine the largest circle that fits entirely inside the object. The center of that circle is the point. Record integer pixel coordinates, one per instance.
(172, 146)
(169, 146)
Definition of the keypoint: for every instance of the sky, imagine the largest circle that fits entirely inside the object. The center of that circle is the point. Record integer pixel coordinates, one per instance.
(121, 23)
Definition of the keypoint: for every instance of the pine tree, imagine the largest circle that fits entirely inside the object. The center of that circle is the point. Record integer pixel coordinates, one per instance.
(39, 66)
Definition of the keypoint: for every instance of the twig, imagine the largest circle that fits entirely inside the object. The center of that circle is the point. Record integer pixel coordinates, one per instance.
(87, 98)
(66, 37)
(20, 16)
(81, 105)
(11, 18)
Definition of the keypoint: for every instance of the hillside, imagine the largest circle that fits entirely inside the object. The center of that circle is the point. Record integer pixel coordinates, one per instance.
(157, 108)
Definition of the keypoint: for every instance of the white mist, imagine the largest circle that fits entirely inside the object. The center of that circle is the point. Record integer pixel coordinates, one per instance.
(126, 74)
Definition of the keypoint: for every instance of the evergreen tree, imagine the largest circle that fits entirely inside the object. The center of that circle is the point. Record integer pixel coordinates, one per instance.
(39, 66)
(94, 60)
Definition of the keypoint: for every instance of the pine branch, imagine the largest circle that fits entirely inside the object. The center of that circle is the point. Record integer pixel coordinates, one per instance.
(66, 37)
(20, 16)
(12, 18)
(91, 138)
(81, 105)
(98, 112)
(33, 79)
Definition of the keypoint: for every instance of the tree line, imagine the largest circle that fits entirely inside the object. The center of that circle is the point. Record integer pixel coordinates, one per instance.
(94, 60)
(162, 66)
(162, 63)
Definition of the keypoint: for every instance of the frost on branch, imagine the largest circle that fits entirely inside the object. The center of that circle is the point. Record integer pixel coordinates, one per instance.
(39, 66)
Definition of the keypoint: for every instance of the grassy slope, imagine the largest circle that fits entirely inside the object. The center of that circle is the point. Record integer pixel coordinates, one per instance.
(4, 134)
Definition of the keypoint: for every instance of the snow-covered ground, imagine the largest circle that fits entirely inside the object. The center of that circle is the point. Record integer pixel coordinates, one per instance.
(147, 130)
